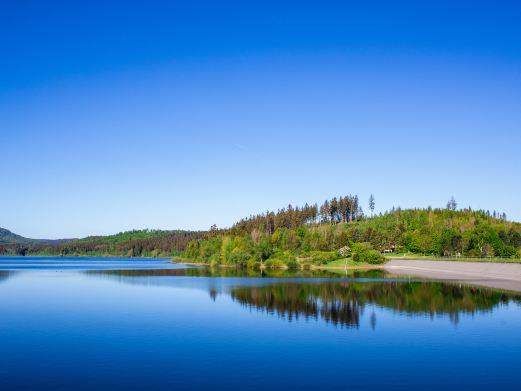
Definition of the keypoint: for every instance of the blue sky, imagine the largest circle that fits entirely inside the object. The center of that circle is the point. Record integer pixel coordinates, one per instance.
(121, 115)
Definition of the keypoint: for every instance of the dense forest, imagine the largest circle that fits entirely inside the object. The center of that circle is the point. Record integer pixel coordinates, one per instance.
(337, 210)
(137, 243)
(298, 237)
(315, 235)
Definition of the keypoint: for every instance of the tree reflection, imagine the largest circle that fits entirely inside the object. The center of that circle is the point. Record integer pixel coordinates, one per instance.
(342, 303)
(318, 295)
(6, 275)
(238, 272)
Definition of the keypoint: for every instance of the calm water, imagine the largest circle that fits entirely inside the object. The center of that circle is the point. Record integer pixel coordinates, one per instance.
(94, 324)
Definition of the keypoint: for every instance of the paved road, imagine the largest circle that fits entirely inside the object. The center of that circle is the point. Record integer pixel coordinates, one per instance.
(495, 275)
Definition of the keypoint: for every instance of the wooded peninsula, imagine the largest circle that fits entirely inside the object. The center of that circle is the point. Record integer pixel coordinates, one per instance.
(310, 235)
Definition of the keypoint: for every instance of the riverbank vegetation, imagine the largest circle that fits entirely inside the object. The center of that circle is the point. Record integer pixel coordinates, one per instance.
(297, 237)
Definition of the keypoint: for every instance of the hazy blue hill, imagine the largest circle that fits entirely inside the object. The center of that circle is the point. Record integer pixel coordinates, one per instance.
(8, 237)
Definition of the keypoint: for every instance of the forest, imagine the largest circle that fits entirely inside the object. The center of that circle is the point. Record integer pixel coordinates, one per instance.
(316, 235)
(305, 236)
(136, 243)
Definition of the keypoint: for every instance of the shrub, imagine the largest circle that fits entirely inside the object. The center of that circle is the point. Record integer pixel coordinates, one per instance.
(292, 264)
(364, 252)
(274, 264)
(344, 251)
(253, 264)
(318, 257)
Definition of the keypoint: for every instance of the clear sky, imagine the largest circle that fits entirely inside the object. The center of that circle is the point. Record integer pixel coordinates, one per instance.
(121, 114)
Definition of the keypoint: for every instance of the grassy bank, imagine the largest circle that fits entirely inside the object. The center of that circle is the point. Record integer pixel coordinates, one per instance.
(342, 263)
(348, 263)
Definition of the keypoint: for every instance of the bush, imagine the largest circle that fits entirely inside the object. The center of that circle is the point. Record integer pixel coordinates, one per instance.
(318, 257)
(344, 251)
(253, 264)
(372, 256)
(364, 252)
(508, 251)
(292, 264)
(274, 264)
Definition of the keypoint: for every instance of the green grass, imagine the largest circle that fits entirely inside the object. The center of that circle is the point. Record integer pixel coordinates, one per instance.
(341, 263)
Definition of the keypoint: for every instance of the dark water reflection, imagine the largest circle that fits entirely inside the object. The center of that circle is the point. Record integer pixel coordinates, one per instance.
(342, 303)
(323, 295)
(235, 272)
(5, 275)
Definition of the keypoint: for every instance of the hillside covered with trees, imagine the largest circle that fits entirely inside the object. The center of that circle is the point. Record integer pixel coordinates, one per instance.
(315, 235)
(304, 236)
(137, 243)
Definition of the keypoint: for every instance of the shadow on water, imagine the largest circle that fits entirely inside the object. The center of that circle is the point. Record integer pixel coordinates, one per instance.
(322, 295)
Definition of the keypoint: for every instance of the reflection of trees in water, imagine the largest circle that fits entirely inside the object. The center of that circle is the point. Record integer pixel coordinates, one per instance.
(342, 303)
(5, 275)
(233, 272)
(293, 301)
(339, 302)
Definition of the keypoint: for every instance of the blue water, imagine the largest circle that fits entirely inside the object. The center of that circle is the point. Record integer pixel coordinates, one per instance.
(82, 263)
(96, 324)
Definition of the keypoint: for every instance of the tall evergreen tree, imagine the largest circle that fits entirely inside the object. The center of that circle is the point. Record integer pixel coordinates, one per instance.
(371, 204)
(452, 205)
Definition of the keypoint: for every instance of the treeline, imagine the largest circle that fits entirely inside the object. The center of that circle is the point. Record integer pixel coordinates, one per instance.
(136, 243)
(442, 232)
(336, 210)
(304, 240)
(291, 237)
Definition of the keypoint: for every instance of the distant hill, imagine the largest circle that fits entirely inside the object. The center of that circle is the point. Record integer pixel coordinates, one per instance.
(136, 243)
(9, 238)
(313, 233)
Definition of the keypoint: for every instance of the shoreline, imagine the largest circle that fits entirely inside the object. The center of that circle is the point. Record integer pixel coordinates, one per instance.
(493, 275)
(504, 276)
(455, 259)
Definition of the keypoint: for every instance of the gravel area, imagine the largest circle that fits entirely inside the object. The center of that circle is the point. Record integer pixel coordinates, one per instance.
(495, 275)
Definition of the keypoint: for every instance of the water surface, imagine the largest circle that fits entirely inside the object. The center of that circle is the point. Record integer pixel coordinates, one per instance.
(93, 324)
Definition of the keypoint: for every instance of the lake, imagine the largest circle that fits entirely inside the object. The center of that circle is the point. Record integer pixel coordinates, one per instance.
(96, 324)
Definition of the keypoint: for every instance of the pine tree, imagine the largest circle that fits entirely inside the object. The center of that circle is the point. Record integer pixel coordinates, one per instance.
(371, 204)
(452, 205)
